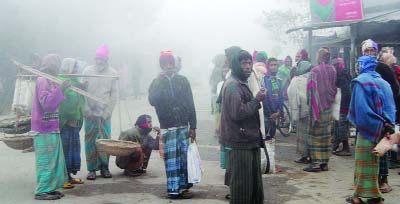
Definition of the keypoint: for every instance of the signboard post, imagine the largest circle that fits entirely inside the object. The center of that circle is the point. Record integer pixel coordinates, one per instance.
(325, 11)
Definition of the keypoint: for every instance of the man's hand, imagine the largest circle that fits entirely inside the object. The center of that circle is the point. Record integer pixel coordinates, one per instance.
(274, 116)
(261, 94)
(65, 84)
(192, 135)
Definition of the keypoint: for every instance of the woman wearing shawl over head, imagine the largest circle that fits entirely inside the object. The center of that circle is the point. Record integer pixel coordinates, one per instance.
(321, 90)
(50, 162)
(298, 105)
(372, 110)
(71, 121)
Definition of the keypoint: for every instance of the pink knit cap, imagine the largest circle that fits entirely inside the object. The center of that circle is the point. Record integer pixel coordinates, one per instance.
(102, 52)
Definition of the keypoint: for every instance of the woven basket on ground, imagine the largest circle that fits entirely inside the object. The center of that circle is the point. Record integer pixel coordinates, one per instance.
(18, 142)
(117, 147)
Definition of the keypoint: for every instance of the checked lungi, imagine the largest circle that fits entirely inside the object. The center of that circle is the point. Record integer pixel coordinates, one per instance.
(341, 129)
(366, 170)
(176, 143)
(72, 148)
(319, 143)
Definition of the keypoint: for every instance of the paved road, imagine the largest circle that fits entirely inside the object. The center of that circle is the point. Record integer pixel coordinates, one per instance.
(291, 186)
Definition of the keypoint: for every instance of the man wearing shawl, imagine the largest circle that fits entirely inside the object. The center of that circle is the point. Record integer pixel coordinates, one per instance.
(372, 111)
(240, 131)
(97, 115)
(215, 78)
(321, 90)
(50, 162)
(71, 121)
(341, 127)
(171, 95)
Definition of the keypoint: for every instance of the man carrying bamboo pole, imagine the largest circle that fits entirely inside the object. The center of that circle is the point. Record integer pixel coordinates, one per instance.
(97, 116)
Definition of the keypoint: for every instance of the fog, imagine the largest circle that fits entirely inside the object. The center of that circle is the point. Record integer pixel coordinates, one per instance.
(136, 31)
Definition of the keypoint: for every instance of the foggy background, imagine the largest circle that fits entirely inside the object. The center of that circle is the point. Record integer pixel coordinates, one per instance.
(136, 31)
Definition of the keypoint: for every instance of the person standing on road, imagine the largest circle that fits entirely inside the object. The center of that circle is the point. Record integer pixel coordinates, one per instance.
(51, 172)
(341, 127)
(71, 121)
(97, 115)
(240, 131)
(171, 95)
(321, 90)
(273, 102)
(372, 110)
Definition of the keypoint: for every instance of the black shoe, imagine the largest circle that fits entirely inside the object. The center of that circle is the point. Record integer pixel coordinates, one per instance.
(131, 173)
(324, 167)
(46, 196)
(228, 196)
(105, 174)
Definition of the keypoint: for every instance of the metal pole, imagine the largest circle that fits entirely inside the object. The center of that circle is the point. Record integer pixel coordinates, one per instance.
(353, 38)
(310, 36)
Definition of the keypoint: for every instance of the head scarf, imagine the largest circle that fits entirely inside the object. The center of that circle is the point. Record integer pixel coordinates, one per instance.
(67, 65)
(389, 59)
(102, 53)
(367, 63)
(303, 67)
(141, 122)
(167, 57)
(178, 63)
(235, 63)
(303, 54)
(261, 56)
(51, 61)
(369, 44)
(323, 56)
(230, 51)
(219, 60)
(339, 63)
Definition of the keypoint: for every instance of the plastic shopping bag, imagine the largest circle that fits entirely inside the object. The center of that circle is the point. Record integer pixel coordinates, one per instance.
(194, 164)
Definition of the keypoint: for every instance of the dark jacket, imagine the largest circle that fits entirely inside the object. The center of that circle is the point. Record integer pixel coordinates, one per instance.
(273, 102)
(173, 101)
(388, 75)
(240, 121)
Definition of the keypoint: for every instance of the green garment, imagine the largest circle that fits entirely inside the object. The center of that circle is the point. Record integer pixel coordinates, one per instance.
(303, 67)
(50, 162)
(72, 107)
(283, 74)
(261, 56)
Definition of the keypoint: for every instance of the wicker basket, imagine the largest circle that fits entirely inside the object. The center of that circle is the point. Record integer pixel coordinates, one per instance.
(18, 142)
(117, 147)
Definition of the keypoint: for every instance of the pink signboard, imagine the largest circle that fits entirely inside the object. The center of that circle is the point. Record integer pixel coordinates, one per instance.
(348, 10)
(336, 10)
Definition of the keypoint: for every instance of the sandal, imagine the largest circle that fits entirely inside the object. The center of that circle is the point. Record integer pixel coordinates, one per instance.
(350, 199)
(46, 196)
(91, 175)
(106, 174)
(375, 201)
(58, 193)
(228, 196)
(313, 168)
(186, 194)
(68, 185)
(385, 188)
(342, 153)
(76, 181)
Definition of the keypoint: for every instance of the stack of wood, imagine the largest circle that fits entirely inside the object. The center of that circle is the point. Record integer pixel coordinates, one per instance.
(15, 125)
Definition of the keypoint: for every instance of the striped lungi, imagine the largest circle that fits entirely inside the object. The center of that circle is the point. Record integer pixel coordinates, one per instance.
(366, 170)
(176, 143)
(303, 134)
(384, 165)
(246, 180)
(319, 142)
(50, 163)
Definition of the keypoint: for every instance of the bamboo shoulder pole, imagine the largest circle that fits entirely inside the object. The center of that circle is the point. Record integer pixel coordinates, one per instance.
(57, 81)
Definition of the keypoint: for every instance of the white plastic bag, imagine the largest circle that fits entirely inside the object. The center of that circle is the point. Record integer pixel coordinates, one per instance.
(336, 105)
(194, 165)
(271, 154)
